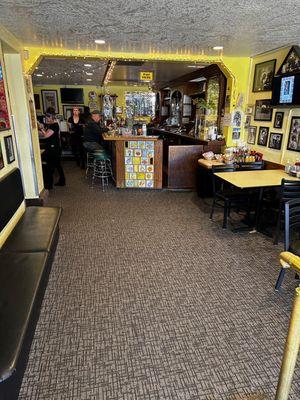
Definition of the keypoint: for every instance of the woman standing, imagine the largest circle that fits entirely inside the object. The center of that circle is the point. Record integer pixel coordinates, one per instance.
(75, 127)
(49, 135)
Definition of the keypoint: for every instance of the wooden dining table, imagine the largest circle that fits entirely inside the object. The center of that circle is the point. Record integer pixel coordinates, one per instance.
(258, 179)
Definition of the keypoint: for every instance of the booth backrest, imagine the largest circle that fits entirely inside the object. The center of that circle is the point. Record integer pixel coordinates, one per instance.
(11, 196)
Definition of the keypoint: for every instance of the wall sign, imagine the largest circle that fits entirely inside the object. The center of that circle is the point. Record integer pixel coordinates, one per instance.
(4, 116)
(146, 76)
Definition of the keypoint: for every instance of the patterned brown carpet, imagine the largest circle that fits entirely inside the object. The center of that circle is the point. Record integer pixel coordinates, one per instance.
(148, 299)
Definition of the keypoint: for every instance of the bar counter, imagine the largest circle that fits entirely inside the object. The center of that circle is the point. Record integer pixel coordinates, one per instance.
(137, 161)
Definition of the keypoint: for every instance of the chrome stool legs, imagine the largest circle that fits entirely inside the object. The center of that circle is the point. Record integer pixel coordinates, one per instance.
(102, 170)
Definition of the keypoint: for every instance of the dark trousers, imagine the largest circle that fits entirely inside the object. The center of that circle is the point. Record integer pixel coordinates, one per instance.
(53, 161)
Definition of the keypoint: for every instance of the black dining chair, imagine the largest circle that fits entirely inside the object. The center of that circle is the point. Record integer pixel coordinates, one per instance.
(225, 195)
(291, 234)
(289, 190)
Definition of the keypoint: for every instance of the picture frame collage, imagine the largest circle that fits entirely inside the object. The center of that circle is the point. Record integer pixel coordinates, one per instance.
(266, 135)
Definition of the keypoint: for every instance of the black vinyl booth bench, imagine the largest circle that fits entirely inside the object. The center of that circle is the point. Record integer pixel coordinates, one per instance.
(25, 262)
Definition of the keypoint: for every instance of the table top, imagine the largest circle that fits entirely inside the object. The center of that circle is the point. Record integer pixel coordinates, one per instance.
(209, 163)
(127, 138)
(255, 179)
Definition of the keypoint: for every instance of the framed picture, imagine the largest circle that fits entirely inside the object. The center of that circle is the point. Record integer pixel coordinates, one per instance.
(236, 133)
(294, 136)
(275, 141)
(247, 121)
(37, 101)
(263, 76)
(252, 131)
(9, 147)
(263, 110)
(49, 98)
(263, 136)
(278, 120)
(1, 157)
(68, 111)
(4, 115)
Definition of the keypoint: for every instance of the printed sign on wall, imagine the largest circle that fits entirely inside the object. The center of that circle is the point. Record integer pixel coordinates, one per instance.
(4, 116)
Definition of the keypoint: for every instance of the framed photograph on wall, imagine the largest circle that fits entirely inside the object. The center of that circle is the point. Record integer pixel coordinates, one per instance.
(294, 135)
(278, 120)
(4, 115)
(49, 98)
(252, 131)
(275, 141)
(67, 110)
(1, 157)
(263, 76)
(9, 148)
(263, 110)
(263, 136)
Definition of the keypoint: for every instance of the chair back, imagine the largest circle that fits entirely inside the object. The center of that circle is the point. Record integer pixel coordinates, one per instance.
(292, 222)
(217, 182)
(253, 166)
(289, 190)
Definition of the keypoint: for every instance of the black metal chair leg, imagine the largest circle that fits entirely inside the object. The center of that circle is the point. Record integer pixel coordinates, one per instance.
(280, 278)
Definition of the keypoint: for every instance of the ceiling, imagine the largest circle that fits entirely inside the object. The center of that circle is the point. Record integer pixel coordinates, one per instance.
(67, 71)
(243, 28)
(56, 71)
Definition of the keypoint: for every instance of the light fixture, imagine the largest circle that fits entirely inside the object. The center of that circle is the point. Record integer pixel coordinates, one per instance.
(38, 74)
(218, 48)
(87, 65)
(200, 79)
(100, 41)
(196, 66)
(89, 79)
(89, 73)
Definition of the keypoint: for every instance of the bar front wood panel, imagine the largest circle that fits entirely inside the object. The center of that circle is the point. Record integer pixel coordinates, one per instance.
(182, 166)
(158, 163)
(120, 165)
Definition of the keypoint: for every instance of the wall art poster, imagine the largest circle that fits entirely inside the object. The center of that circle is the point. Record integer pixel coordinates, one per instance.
(4, 116)
(49, 98)
(236, 133)
(9, 147)
(294, 136)
(263, 110)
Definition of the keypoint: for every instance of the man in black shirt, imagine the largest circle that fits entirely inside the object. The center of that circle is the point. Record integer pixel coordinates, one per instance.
(92, 136)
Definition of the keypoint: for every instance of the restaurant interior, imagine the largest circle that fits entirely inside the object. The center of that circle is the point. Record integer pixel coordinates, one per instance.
(149, 202)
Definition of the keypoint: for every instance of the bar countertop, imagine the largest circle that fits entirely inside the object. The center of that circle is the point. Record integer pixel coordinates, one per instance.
(127, 138)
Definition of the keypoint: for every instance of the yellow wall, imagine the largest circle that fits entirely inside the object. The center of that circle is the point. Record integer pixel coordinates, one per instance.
(278, 156)
(111, 89)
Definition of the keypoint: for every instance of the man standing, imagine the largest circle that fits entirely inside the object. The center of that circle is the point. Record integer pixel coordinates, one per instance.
(92, 136)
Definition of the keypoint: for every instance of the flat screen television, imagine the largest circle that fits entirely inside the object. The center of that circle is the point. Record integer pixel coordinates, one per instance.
(71, 96)
(286, 91)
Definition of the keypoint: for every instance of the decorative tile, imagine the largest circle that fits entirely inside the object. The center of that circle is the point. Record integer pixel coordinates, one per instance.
(136, 168)
(137, 153)
(150, 184)
(141, 175)
(141, 183)
(142, 168)
(149, 145)
(149, 176)
(129, 168)
(129, 152)
(150, 153)
(136, 160)
(129, 183)
(150, 168)
(128, 160)
(144, 160)
(132, 176)
(133, 144)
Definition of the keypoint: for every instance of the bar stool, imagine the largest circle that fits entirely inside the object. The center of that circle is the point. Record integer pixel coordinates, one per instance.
(90, 156)
(102, 168)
